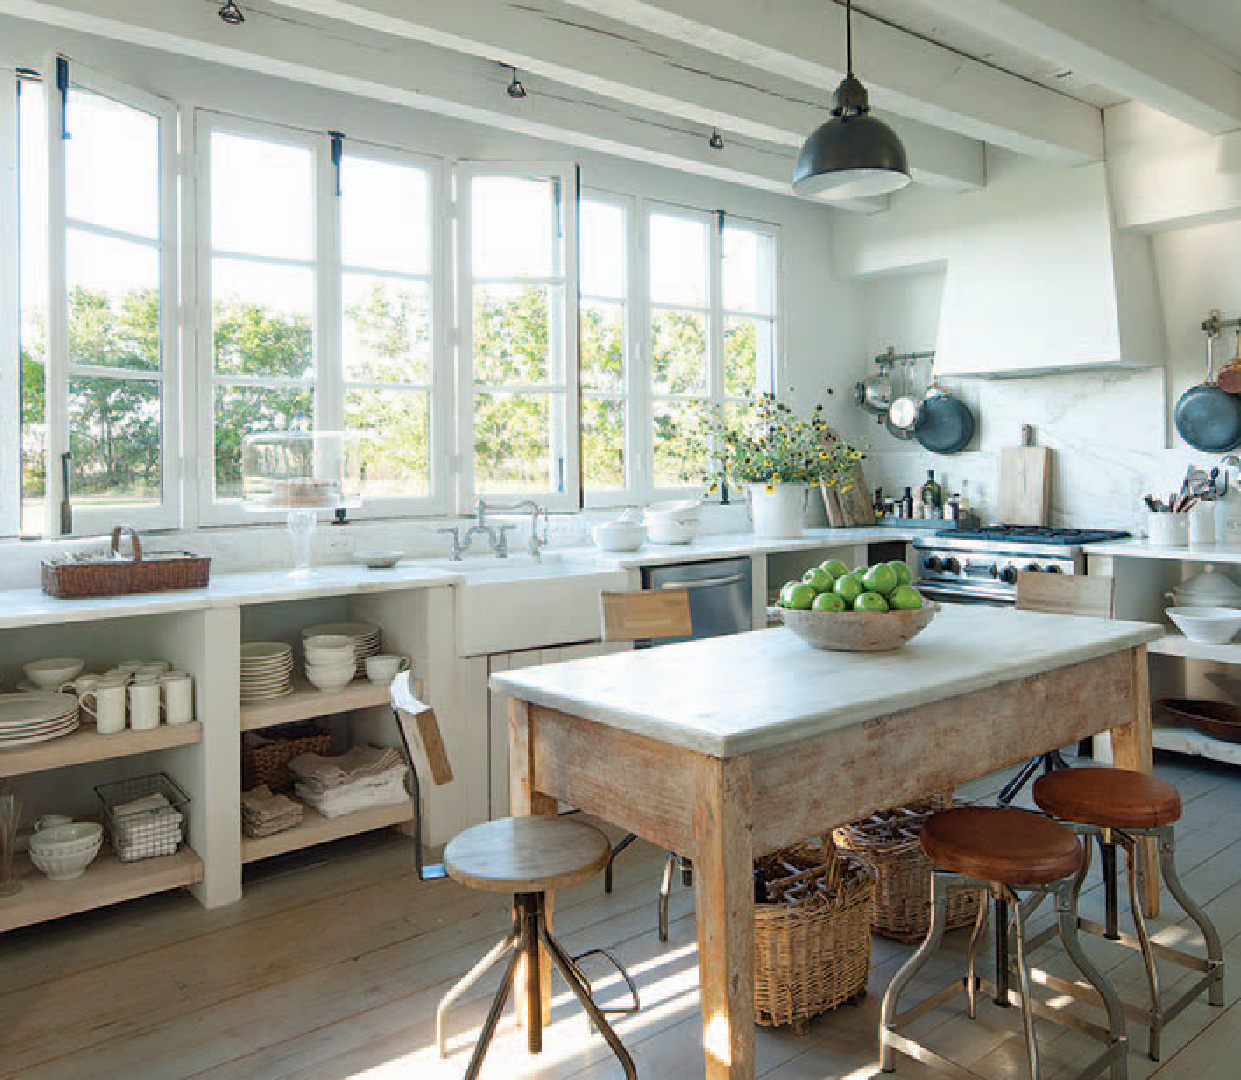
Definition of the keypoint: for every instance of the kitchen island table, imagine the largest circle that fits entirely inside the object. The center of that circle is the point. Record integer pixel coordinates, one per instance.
(728, 748)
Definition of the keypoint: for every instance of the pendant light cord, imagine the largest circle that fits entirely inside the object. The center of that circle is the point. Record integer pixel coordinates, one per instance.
(849, 36)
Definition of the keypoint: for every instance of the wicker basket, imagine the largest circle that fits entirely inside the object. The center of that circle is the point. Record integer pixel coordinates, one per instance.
(112, 575)
(891, 842)
(812, 941)
(265, 758)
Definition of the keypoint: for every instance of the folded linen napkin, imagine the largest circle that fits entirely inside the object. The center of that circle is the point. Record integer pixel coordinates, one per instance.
(264, 813)
(321, 773)
(386, 789)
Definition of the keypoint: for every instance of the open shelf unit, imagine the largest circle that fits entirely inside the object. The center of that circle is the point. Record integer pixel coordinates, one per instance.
(307, 702)
(86, 745)
(106, 881)
(317, 829)
(1187, 741)
(1180, 645)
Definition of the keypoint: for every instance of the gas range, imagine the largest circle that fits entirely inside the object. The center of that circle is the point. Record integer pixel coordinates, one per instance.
(981, 565)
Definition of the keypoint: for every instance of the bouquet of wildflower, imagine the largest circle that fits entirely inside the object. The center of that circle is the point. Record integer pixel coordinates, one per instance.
(766, 443)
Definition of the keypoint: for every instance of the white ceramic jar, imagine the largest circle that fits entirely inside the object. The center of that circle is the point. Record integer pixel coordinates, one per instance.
(780, 511)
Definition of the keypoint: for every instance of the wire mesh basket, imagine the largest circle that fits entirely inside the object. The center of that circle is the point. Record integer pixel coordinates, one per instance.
(144, 816)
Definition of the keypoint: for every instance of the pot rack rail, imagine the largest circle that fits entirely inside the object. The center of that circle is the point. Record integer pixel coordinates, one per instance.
(1215, 323)
(893, 357)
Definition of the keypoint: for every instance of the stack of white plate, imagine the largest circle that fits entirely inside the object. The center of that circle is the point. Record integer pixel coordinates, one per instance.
(266, 670)
(365, 639)
(36, 717)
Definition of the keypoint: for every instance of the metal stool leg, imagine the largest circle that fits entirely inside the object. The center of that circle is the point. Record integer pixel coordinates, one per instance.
(665, 893)
(971, 966)
(1066, 920)
(891, 1000)
(1023, 982)
(1111, 890)
(628, 839)
(493, 1018)
(1001, 952)
(564, 965)
(530, 906)
(1215, 951)
(1144, 943)
(471, 977)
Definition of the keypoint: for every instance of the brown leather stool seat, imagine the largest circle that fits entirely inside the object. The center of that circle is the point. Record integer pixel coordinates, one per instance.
(1108, 798)
(996, 843)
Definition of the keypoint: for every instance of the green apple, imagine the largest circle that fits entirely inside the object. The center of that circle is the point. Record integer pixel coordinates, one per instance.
(905, 598)
(870, 602)
(834, 567)
(784, 593)
(828, 601)
(859, 572)
(848, 588)
(801, 597)
(881, 579)
(819, 578)
(904, 576)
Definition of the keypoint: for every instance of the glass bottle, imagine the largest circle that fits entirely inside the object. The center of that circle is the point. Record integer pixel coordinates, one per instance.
(932, 494)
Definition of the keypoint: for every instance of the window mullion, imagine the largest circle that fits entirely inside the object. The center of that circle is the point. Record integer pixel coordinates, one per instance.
(329, 398)
(57, 390)
(715, 325)
(642, 376)
(10, 304)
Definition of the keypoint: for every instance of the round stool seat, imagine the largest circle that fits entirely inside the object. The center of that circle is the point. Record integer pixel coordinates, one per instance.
(1108, 798)
(526, 854)
(991, 843)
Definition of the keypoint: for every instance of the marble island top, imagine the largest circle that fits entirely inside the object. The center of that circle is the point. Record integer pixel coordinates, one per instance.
(749, 692)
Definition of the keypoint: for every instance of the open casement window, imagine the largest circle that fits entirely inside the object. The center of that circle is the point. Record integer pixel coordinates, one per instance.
(320, 295)
(517, 325)
(712, 324)
(610, 471)
(100, 361)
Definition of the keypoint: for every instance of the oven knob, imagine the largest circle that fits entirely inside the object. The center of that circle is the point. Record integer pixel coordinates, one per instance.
(1008, 575)
(994, 569)
(1053, 570)
(952, 566)
(932, 562)
(1034, 568)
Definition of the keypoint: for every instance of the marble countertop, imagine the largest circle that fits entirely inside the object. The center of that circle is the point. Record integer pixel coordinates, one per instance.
(748, 692)
(1139, 549)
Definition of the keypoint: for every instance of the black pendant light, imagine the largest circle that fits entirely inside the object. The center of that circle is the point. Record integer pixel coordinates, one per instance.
(853, 154)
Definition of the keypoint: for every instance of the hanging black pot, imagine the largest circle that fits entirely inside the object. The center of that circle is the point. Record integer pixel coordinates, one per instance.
(1207, 417)
(945, 424)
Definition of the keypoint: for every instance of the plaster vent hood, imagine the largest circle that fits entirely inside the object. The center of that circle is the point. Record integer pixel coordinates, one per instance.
(1039, 280)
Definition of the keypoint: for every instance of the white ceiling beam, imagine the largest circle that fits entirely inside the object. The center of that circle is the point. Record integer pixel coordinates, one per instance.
(908, 75)
(575, 48)
(1124, 45)
(423, 78)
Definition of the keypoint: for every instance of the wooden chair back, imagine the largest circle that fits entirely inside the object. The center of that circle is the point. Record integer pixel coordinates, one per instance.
(1065, 594)
(647, 615)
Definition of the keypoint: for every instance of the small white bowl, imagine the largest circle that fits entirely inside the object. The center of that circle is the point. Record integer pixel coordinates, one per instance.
(51, 674)
(66, 866)
(64, 839)
(378, 560)
(330, 678)
(1207, 625)
(618, 536)
(669, 530)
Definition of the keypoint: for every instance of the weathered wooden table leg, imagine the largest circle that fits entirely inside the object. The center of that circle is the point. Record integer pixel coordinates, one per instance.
(723, 827)
(1131, 749)
(525, 799)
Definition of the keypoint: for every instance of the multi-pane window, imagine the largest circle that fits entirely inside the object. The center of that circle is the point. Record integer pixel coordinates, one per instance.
(518, 334)
(322, 273)
(98, 281)
(604, 336)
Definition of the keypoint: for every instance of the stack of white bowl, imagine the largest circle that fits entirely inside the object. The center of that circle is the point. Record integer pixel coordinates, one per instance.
(674, 522)
(331, 662)
(63, 852)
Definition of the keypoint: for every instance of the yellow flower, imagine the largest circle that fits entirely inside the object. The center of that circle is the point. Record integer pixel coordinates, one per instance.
(772, 484)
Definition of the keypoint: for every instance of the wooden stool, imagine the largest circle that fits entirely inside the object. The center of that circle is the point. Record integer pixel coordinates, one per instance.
(1117, 807)
(528, 857)
(1001, 850)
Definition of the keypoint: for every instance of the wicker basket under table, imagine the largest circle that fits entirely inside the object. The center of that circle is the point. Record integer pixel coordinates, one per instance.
(265, 757)
(891, 842)
(812, 943)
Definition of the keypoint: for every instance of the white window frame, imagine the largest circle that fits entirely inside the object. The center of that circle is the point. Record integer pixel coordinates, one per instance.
(631, 390)
(10, 314)
(569, 436)
(328, 382)
(88, 519)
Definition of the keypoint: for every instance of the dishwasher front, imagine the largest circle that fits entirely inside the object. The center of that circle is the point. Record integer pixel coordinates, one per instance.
(720, 597)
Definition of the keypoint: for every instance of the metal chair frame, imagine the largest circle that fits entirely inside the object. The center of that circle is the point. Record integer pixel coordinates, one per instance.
(892, 1042)
(1155, 1015)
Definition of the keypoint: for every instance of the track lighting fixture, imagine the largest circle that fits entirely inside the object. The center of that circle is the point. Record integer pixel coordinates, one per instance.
(716, 142)
(231, 13)
(515, 89)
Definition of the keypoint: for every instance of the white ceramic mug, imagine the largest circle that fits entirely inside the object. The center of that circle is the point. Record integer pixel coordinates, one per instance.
(383, 669)
(144, 706)
(178, 691)
(106, 703)
(152, 670)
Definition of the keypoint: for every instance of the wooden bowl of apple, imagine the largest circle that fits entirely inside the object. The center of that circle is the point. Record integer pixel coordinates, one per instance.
(866, 609)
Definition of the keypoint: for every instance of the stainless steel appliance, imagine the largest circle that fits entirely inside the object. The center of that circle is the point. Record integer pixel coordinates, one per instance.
(980, 566)
(720, 596)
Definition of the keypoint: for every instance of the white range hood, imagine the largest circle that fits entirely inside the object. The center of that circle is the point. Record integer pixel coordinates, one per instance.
(1039, 280)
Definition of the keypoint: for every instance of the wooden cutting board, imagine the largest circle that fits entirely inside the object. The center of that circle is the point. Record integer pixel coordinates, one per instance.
(1025, 485)
(850, 504)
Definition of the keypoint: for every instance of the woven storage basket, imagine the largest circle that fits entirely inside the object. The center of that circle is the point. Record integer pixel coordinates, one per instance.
(114, 575)
(891, 842)
(812, 942)
(265, 758)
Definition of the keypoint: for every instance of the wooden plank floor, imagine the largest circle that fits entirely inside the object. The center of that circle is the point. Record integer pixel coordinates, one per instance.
(332, 966)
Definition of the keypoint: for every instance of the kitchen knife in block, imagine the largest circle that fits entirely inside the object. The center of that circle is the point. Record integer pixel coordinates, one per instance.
(1025, 485)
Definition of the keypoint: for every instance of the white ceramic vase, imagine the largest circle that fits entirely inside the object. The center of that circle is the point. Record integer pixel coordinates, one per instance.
(780, 511)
